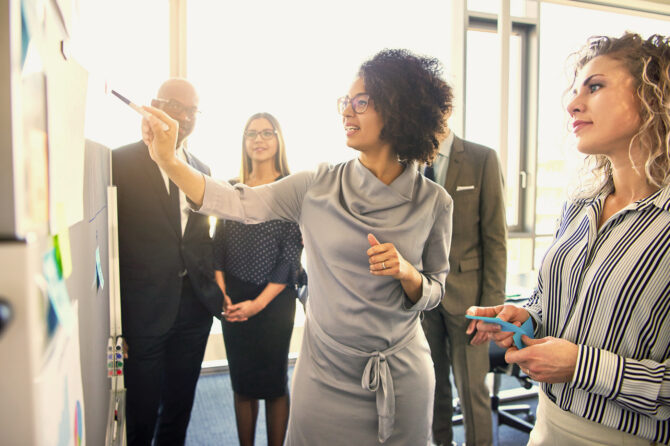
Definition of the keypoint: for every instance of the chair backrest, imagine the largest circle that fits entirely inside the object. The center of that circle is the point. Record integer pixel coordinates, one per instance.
(497, 362)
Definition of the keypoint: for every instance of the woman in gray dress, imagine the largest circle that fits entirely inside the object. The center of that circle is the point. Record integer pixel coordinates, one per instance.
(377, 237)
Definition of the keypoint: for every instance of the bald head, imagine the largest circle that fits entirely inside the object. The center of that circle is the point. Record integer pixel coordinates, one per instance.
(179, 99)
(177, 87)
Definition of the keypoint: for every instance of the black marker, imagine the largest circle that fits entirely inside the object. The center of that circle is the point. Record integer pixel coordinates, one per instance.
(137, 108)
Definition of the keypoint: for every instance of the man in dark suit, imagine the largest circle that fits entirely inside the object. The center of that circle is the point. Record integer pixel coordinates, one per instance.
(471, 174)
(168, 292)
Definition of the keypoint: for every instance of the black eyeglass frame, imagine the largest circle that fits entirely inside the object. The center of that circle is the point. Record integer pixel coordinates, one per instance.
(344, 101)
(273, 132)
(178, 107)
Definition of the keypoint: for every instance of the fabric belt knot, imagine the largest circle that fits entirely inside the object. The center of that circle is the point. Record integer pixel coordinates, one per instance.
(377, 378)
(376, 375)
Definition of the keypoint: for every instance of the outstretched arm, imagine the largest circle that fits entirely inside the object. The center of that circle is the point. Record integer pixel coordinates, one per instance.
(280, 200)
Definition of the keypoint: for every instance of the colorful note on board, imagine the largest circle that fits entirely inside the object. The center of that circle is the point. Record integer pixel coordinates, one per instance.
(62, 243)
(56, 289)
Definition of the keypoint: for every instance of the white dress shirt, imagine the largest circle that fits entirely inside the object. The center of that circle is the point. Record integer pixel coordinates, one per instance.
(183, 205)
(441, 162)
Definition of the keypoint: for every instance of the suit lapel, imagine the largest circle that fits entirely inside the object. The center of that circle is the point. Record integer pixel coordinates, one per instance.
(155, 179)
(455, 159)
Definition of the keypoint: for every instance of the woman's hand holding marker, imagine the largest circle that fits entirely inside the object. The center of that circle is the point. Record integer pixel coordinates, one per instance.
(161, 143)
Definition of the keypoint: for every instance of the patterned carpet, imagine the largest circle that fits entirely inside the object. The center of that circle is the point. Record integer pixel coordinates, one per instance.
(213, 416)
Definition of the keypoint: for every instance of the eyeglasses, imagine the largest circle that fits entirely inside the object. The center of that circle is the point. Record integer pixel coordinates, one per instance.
(173, 106)
(359, 103)
(265, 134)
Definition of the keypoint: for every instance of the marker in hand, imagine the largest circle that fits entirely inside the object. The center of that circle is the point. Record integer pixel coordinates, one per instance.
(137, 108)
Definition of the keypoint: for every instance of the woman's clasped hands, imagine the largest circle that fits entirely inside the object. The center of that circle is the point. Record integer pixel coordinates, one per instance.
(548, 359)
(240, 311)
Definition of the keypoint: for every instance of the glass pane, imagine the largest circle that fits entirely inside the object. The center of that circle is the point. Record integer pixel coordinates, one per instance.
(246, 57)
(134, 63)
(514, 143)
(558, 163)
(489, 6)
(541, 246)
(482, 117)
(482, 89)
(519, 259)
(517, 8)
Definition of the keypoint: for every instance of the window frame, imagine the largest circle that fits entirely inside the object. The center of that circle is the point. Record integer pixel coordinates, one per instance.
(488, 23)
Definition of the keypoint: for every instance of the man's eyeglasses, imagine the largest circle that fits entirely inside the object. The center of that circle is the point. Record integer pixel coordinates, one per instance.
(265, 134)
(173, 106)
(359, 103)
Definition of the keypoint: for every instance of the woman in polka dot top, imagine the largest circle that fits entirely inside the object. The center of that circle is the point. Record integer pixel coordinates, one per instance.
(258, 269)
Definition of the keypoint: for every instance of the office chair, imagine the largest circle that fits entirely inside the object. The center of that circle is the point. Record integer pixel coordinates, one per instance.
(518, 416)
(502, 412)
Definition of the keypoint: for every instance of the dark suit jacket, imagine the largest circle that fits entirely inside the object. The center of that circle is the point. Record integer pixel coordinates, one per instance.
(152, 251)
(478, 256)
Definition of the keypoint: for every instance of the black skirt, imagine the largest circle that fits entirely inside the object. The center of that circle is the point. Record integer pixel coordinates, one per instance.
(257, 349)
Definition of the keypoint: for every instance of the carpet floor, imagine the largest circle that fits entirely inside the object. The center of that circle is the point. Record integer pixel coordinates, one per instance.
(213, 415)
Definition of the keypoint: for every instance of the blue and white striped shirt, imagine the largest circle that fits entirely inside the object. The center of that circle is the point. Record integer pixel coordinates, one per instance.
(608, 291)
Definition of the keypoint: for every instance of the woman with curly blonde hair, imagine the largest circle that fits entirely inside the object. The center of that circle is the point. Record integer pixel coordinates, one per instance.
(647, 61)
(601, 305)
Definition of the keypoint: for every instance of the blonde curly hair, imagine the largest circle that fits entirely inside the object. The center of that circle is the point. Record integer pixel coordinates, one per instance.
(648, 61)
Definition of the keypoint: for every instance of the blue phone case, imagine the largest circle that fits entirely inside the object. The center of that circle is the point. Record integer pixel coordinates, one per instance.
(525, 329)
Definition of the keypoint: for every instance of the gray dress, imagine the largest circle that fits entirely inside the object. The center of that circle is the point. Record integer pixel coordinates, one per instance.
(364, 374)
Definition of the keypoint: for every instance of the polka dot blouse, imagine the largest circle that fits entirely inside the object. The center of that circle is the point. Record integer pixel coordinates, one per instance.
(260, 253)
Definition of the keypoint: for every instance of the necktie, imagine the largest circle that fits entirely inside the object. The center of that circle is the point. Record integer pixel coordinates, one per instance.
(429, 173)
(175, 209)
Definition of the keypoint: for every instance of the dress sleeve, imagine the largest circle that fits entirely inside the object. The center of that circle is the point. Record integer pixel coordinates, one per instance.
(642, 386)
(287, 269)
(435, 259)
(280, 200)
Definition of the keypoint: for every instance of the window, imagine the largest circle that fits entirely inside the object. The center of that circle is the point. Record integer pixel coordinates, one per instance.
(517, 7)
(537, 181)
(558, 162)
(482, 110)
(293, 59)
(135, 63)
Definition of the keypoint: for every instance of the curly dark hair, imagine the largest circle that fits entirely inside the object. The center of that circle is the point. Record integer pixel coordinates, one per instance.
(412, 99)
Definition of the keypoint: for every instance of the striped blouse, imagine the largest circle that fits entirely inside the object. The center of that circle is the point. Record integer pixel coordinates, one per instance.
(608, 291)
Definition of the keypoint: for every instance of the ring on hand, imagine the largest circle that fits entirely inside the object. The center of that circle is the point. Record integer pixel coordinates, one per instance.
(383, 265)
